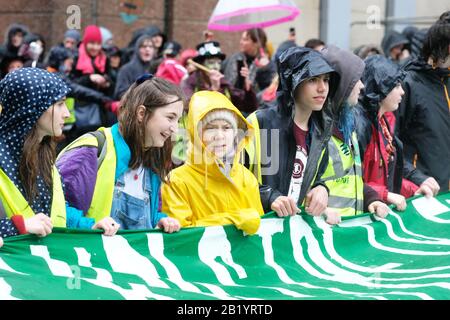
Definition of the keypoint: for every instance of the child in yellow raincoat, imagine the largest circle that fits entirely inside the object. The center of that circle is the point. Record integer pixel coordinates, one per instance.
(212, 187)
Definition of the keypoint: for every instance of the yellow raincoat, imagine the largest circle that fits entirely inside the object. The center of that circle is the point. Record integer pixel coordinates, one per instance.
(198, 193)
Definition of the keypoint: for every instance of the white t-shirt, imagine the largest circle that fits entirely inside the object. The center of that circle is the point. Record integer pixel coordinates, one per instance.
(134, 180)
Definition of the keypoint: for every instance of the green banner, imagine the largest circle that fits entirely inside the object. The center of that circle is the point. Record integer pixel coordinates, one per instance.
(406, 256)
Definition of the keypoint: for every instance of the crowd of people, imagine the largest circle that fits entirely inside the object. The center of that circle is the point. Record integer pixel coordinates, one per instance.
(153, 136)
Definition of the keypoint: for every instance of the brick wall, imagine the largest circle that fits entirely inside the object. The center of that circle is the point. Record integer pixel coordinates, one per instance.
(47, 17)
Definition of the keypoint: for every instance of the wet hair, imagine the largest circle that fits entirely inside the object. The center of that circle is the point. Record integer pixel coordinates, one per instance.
(152, 93)
(313, 43)
(437, 39)
(36, 160)
(258, 36)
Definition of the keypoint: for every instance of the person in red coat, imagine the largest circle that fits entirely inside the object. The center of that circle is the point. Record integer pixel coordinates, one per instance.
(383, 166)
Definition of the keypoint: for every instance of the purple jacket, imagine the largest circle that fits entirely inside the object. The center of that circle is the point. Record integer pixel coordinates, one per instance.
(78, 170)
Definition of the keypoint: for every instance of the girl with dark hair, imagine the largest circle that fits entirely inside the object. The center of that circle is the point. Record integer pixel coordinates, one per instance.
(33, 113)
(113, 176)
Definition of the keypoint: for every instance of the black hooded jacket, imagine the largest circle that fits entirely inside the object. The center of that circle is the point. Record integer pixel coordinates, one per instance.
(132, 70)
(7, 49)
(380, 77)
(391, 40)
(424, 121)
(294, 66)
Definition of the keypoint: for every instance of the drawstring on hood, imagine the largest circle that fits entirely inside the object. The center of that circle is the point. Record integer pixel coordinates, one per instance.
(201, 104)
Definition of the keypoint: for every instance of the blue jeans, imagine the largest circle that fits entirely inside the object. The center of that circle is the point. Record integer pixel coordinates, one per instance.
(133, 213)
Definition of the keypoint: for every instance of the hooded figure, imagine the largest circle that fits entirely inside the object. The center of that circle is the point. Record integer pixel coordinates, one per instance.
(133, 69)
(416, 37)
(343, 155)
(208, 190)
(9, 48)
(423, 116)
(391, 40)
(273, 156)
(381, 149)
(25, 95)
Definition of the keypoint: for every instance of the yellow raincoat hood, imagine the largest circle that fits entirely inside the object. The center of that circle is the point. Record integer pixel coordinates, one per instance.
(198, 156)
(199, 193)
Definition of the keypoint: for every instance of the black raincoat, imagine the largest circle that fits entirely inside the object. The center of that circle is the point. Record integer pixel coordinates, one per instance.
(424, 120)
(295, 65)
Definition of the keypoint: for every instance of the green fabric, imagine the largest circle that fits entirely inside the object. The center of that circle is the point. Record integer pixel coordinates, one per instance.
(70, 103)
(406, 256)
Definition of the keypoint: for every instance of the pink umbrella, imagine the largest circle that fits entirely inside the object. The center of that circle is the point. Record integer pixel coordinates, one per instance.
(239, 15)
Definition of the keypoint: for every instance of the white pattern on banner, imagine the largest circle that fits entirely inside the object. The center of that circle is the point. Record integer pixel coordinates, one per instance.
(5, 291)
(156, 247)
(104, 280)
(57, 267)
(123, 258)
(4, 266)
(430, 208)
(214, 243)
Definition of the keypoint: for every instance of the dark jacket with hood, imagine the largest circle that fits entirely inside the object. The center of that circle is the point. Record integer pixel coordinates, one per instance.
(350, 69)
(424, 121)
(391, 40)
(132, 70)
(55, 63)
(7, 49)
(380, 77)
(294, 66)
(130, 50)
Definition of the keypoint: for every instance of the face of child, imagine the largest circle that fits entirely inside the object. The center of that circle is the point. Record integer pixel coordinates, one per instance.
(69, 43)
(354, 95)
(93, 48)
(213, 63)
(312, 93)
(396, 52)
(218, 137)
(115, 62)
(157, 41)
(146, 51)
(162, 124)
(14, 65)
(17, 39)
(393, 99)
(51, 122)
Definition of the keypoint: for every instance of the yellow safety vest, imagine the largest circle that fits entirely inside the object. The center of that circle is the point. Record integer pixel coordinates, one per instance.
(104, 186)
(343, 177)
(14, 202)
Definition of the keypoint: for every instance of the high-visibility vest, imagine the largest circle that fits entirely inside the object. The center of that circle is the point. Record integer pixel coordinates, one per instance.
(104, 186)
(70, 103)
(343, 177)
(14, 203)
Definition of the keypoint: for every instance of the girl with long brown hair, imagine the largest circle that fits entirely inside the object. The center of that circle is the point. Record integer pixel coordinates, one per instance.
(113, 176)
(33, 112)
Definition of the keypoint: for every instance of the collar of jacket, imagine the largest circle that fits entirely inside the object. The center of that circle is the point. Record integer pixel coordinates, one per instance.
(123, 152)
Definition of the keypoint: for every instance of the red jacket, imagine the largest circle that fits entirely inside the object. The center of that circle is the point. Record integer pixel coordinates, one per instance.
(375, 166)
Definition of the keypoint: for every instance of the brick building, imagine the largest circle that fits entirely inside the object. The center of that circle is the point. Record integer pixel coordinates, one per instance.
(183, 20)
